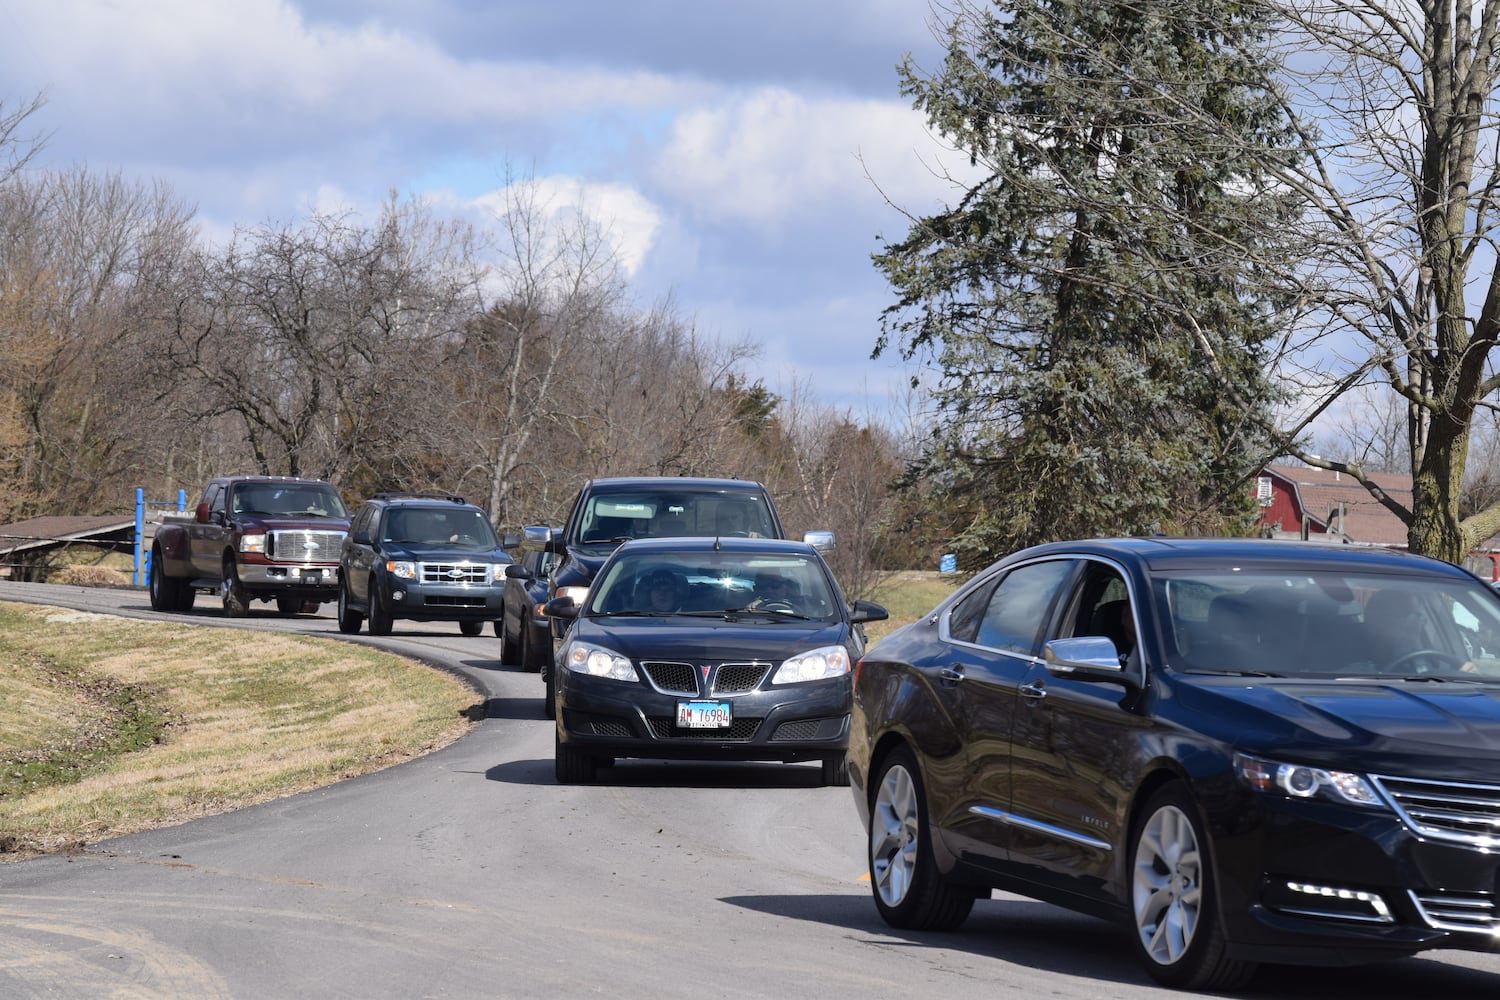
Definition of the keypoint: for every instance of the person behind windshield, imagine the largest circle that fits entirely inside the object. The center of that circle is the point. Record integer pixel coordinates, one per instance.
(663, 593)
(1399, 636)
(773, 590)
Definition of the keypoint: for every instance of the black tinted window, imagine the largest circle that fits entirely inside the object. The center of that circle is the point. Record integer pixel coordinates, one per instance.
(1016, 610)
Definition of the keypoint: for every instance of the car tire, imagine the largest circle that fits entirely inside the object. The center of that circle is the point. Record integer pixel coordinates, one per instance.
(349, 620)
(549, 699)
(236, 601)
(1175, 926)
(836, 770)
(509, 648)
(186, 595)
(380, 619)
(289, 605)
(531, 658)
(910, 893)
(571, 765)
(471, 629)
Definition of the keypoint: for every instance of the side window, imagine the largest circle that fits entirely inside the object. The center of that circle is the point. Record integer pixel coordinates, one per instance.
(1018, 607)
(216, 499)
(1102, 608)
(963, 620)
(362, 519)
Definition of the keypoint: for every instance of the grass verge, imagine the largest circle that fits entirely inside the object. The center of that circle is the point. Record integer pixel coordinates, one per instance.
(111, 726)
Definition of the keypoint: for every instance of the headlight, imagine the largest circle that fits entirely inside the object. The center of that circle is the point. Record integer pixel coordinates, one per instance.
(813, 665)
(579, 594)
(1303, 782)
(596, 661)
(401, 568)
(253, 543)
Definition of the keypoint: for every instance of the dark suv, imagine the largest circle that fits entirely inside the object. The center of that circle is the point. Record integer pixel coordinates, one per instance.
(424, 557)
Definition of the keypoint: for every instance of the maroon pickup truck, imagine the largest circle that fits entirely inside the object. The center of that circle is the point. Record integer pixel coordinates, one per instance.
(265, 538)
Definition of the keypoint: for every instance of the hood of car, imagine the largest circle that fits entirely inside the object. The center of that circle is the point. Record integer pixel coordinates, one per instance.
(1445, 727)
(678, 637)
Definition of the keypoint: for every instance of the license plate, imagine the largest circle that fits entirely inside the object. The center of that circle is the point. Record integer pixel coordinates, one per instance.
(312, 576)
(704, 715)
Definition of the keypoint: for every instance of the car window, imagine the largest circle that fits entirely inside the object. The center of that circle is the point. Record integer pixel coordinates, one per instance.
(1013, 617)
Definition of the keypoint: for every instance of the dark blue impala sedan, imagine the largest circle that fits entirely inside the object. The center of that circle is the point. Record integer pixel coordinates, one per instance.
(708, 649)
(1243, 751)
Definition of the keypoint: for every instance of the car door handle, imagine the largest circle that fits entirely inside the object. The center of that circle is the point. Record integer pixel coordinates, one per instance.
(1035, 691)
(950, 675)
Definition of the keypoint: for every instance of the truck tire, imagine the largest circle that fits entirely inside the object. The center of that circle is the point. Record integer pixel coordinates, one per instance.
(380, 618)
(289, 605)
(236, 601)
(165, 590)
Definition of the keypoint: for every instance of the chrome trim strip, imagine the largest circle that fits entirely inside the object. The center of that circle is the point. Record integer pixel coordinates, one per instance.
(1047, 829)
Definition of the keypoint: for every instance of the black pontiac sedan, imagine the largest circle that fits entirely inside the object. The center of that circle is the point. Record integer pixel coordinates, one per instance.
(1244, 751)
(707, 649)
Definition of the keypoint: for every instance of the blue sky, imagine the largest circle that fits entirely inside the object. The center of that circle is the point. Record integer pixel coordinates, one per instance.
(733, 149)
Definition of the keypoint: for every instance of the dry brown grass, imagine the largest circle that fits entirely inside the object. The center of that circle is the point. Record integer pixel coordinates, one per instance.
(227, 719)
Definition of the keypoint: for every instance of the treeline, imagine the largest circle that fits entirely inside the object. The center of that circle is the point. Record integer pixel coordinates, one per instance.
(410, 352)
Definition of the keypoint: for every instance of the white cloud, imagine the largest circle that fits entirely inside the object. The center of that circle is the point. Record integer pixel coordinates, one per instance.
(625, 218)
(771, 157)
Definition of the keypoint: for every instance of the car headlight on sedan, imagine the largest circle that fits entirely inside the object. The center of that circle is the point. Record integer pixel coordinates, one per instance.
(401, 569)
(1300, 781)
(597, 661)
(814, 665)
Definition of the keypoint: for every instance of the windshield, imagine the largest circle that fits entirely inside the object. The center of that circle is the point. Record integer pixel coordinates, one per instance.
(777, 586)
(611, 518)
(307, 499)
(465, 530)
(1329, 625)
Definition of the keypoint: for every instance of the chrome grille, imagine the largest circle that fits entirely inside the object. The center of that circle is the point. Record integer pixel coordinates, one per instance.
(299, 546)
(734, 677)
(1452, 911)
(462, 573)
(672, 678)
(1447, 810)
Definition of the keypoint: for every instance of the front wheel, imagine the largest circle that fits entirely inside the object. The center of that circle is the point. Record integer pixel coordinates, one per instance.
(909, 891)
(1173, 902)
(571, 765)
(470, 628)
(549, 699)
(349, 620)
(380, 618)
(236, 601)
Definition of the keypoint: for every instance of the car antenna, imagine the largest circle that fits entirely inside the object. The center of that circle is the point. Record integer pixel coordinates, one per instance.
(718, 543)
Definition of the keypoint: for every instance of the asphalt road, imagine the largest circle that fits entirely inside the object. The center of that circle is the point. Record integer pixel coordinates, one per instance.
(470, 873)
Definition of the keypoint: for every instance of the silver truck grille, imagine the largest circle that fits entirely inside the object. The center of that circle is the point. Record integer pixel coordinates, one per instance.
(300, 546)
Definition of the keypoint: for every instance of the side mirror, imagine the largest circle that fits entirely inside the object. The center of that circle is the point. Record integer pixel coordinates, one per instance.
(516, 571)
(361, 537)
(868, 611)
(534, 538)
(510, 541)
(820, 540)
(1087, 658)
(561, 607)
(200, 514)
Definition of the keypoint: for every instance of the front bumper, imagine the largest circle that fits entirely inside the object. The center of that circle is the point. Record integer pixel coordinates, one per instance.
(1315, 882)
(788, 723)
(310, 579)
(444, 602)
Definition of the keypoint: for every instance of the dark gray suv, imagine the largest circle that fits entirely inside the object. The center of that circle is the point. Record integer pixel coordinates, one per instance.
(423, 557)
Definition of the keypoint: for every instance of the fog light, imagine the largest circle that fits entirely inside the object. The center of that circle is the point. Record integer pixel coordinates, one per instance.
(1335, 902)
(398, 595)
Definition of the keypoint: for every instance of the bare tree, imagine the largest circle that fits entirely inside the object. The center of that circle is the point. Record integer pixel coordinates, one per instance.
(1399, 282)
(79, 275)
(313, 337)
